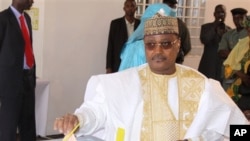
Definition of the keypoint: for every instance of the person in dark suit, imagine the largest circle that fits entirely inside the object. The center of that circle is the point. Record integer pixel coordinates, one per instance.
(184, 34)
(210, 36)
(120, 30)
(17, 74)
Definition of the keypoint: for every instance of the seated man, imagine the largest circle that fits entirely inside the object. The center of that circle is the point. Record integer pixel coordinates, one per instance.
(159, 100)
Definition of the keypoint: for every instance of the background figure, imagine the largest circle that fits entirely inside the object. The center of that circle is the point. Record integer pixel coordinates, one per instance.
(160, 100)
(210, 36)
(230, 39)
(120, 30)
(133, 52)
(17, 73)
(237, 67)
(183, 32)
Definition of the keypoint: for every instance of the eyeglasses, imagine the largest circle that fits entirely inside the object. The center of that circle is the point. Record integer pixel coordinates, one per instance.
(164, 45)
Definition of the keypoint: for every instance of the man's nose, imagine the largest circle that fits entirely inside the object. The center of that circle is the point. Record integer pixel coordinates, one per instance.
(158, 48)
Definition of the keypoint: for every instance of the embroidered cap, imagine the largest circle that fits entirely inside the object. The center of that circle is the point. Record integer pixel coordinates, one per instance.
(160, 24)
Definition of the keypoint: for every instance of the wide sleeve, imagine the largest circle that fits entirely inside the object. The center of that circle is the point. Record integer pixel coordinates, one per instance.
(93, 110)
(216, 113)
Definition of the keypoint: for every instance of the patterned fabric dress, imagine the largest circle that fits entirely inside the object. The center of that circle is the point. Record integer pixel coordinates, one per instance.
(238, 60)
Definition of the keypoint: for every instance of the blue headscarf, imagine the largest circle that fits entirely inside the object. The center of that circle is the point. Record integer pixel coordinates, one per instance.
(133, 53)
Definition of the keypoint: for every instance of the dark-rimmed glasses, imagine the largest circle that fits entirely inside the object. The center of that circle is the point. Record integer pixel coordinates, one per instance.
(164, 45)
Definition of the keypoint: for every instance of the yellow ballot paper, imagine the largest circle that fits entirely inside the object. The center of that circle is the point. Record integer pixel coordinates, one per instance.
(120, 134)
(70, 136)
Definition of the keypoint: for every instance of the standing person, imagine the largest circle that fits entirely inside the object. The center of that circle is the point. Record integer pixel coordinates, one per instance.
(210, 36)
(183, 32)
(160, 100)
(17, 73)
(120, 30)
(230, 39)
(237, 67)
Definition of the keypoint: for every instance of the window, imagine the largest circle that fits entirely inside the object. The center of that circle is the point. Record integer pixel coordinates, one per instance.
(142, 5)
(192, 12)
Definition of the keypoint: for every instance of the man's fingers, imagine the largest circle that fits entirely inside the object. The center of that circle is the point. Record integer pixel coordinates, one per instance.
(58, 124)
(66, 123)
(66, 126)
(71, 122)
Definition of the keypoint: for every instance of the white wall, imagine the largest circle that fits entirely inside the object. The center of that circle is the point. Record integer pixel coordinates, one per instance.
(71, 43)
(75, 44)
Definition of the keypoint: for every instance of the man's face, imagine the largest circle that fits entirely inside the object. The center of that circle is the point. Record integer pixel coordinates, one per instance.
(161, 52)
(129, 8)
(25, 4)
(220, 14)
(237, 19)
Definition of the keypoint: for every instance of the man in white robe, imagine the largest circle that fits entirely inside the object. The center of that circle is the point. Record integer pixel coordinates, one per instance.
(158, 101)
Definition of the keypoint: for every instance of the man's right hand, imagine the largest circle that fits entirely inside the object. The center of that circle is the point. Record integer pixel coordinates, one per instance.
(66, 123)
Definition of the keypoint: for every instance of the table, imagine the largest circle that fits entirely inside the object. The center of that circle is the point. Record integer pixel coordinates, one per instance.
(85, 138)
(41, 106)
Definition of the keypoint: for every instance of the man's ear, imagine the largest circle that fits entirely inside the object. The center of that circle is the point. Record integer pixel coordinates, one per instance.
(179, 44)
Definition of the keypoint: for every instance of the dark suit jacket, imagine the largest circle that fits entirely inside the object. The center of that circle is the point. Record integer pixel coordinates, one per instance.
(11, 54)
(210, 63)
(117, 37)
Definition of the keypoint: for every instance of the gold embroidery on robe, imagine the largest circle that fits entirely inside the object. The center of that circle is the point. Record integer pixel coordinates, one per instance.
(159, 122)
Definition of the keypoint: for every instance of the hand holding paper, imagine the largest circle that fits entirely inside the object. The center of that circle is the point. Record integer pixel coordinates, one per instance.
(67, 124)
(70, 136)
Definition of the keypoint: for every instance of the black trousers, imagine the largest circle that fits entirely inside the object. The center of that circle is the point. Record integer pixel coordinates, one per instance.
(19, 112)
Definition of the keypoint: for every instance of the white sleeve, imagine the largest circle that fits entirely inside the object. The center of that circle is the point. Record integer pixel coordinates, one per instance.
(209, 135)
(216, 113)
(92, 109)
